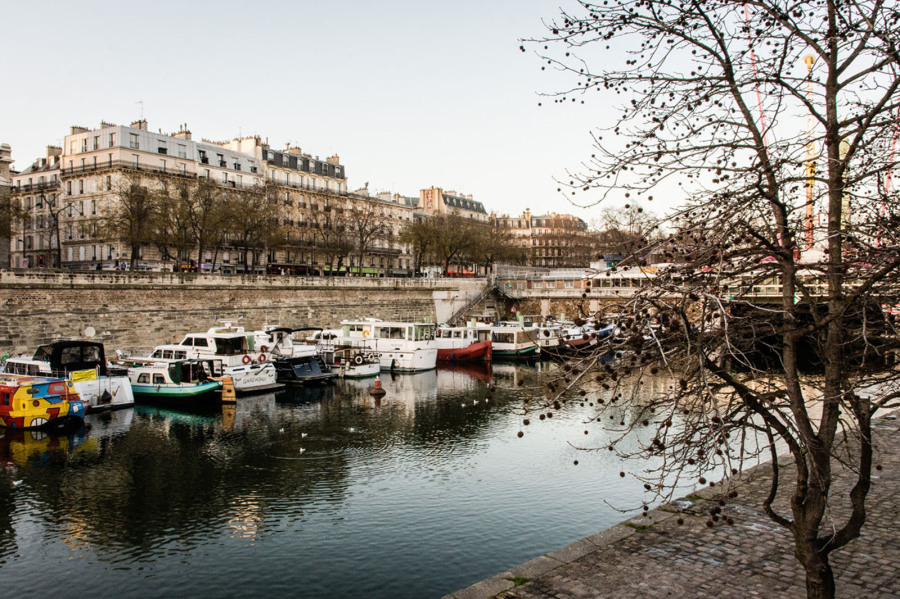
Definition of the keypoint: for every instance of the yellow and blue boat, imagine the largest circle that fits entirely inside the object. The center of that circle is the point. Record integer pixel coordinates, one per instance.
(39, 402)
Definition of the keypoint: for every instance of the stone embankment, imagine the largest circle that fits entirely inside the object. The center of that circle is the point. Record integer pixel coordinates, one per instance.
(672, 552)
(139, 310)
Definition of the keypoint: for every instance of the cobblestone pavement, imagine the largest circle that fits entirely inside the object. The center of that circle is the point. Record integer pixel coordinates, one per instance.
(653, 556)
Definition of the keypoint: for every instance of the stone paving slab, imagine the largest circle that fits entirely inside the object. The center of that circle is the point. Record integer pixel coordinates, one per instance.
(673, 552)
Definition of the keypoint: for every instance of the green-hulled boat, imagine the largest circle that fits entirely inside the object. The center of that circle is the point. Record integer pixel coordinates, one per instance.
(173, 379)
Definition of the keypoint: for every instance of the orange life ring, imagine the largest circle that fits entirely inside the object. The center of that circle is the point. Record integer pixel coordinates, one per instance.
(246, 359)
(264, 348)
(365, 332)
(262, 357)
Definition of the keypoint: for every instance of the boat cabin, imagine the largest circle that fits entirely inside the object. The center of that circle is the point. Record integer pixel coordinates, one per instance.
(61, 358)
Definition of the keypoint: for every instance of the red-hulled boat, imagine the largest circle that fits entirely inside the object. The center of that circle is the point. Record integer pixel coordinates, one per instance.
(463, 344)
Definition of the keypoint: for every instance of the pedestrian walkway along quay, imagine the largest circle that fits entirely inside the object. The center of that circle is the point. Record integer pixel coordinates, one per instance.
(672, 552)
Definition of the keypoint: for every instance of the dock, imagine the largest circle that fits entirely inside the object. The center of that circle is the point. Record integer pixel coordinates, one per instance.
(671, 552)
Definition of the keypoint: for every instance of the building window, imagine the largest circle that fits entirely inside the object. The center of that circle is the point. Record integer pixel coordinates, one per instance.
(161, 147)
(182, 151)
(96, 142)
(135, 161)
(133, 141)
(68, 188)
(81, 186)
(108, 185)
(162, 165)
(112, 140)
(183, 168)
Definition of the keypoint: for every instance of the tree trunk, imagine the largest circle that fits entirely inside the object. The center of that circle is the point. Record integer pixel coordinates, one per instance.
(819, 578)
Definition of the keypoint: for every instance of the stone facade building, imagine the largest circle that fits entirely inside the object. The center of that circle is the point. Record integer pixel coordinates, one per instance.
(550, 240)
(434, 201)
(5, 182)
(35, 230)
(64, 202)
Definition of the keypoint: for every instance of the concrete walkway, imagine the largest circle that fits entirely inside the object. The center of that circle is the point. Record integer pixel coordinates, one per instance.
(672, 552)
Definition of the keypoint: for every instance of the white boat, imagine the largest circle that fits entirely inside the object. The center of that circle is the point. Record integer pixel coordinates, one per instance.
(247, 363)
(347, 358)
(512, 340)
(84, 363)
(401, 346)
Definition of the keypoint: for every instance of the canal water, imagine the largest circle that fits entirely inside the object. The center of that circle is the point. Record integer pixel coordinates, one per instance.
(307, 493)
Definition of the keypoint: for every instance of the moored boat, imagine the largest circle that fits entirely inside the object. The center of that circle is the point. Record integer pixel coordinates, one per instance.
(295, 363)
(172, 380)
(347, 358)
(84, 363)
(462, 344)
(401, 346)
(39, 402)
(512, 341)
(248, 364)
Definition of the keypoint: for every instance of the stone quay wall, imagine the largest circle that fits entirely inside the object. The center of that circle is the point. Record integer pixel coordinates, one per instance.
(137, 310)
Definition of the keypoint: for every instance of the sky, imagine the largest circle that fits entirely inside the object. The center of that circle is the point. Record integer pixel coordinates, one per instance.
(409, 93)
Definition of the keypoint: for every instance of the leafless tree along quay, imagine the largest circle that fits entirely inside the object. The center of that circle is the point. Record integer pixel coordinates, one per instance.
(778, 119)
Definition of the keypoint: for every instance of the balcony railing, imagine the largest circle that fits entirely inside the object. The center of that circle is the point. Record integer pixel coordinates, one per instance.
(30, 187)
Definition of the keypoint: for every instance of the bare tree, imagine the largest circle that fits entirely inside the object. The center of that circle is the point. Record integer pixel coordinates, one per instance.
(453, 237)
(790, 232)
(249, 216)
(332, 237)
(491, 243)
(366, 225)
(131, 219)
(419, 234)
(172, 231)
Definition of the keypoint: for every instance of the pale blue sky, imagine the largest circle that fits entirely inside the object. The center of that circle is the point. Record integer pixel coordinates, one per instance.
(409, 93)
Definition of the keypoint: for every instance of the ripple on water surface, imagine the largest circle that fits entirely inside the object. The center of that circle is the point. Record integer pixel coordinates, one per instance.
(314, 493)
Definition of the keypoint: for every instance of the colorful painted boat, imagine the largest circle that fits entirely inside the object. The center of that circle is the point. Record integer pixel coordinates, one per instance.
(39, 402)
(82, 361)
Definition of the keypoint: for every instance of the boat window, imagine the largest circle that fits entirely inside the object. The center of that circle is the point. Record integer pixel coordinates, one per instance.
(58, 388)
(158, 354)
(201, 342)
(390, 333)
(70, 355)
(159, 379)
(144, 378)
(506, 337)
(4, 398)
(457, 334)
(180, 355)
(420, 333)
(230, 346)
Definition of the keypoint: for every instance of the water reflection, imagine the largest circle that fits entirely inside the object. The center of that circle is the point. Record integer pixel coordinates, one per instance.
(414, 495)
